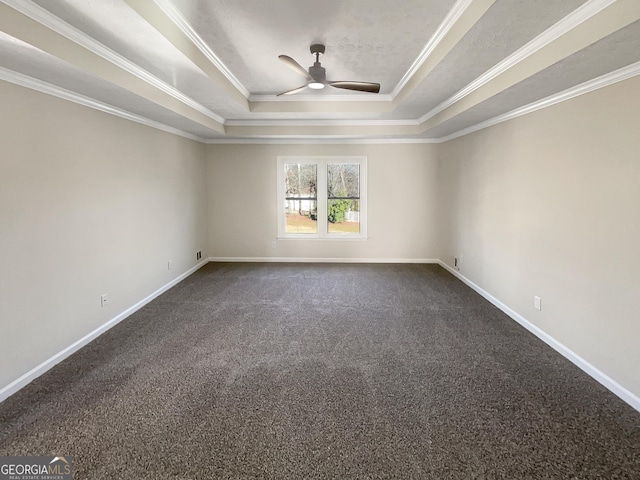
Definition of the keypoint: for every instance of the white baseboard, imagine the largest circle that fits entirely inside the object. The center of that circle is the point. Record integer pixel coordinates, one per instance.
(17, 384)
(602, 378)
(569, 354)
(323, 260)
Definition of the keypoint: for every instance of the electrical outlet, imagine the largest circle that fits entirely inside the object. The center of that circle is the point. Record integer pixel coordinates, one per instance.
(537, 303)
(103, 300)
(169, 265)
(198, 255)
(273, 244)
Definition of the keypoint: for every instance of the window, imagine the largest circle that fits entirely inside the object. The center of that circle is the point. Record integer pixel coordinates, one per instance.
(322, 197)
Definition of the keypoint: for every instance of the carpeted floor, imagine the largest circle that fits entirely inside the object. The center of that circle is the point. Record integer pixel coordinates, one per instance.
(323, 371)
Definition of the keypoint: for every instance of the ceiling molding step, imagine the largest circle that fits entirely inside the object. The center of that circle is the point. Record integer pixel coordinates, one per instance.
(185, 27)
(619, 75)
(12, 20)
(59, 92)
(321, 131)
(461, 19)
(182, 36)
(575, 18)
(318, 123)
(447, 24)
(321, 107)
(576, 31)
(606, 80)
(316, 141)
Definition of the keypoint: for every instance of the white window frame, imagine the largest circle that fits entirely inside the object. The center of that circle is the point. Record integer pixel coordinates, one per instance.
(322, 224)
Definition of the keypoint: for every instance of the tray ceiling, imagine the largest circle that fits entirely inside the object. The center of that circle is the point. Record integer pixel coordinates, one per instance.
(209, 70)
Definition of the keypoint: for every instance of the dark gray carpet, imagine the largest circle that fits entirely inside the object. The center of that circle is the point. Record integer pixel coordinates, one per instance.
(323, 371)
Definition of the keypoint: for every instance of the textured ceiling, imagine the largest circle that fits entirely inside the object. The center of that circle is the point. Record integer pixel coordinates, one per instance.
(366, 40)
(587, 64)
(209, 70)
(505, 28)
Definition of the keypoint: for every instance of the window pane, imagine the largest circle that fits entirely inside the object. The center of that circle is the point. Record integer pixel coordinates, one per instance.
(343, 193)
(301, 207)
(301, 216)
(343, 180)
(343, 216)
(300, 180)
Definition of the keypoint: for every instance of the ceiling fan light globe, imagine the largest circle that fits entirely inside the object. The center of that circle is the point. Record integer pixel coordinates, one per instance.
(316, 85)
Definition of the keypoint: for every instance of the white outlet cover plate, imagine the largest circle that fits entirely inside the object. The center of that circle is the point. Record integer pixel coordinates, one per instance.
(537, 303)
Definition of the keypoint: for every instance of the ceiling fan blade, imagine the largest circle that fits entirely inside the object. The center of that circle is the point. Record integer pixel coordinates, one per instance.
(295, 66)
(291, 92)
(358, 86)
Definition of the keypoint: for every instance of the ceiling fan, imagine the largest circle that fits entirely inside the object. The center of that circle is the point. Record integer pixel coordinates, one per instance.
(316, 76)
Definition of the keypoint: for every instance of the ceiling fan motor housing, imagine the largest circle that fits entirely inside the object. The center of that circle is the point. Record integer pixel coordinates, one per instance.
(318, 73)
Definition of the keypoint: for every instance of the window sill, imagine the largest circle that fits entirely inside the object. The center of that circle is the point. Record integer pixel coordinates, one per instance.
(323, 239)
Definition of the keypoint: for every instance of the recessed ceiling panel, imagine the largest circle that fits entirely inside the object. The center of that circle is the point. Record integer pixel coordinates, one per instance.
(366, 40)
(507, 26)
(609, 54)
(20, 57)
(114, 24)
(371, 41)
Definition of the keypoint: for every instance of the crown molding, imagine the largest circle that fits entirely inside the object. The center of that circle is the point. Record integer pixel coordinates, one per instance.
(50, 89)
(605, 80)
(611, 78)
(185, 27)
(575, 18)
(46, 18)
(319, 123)
(443, 29)
(327, 140)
